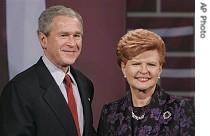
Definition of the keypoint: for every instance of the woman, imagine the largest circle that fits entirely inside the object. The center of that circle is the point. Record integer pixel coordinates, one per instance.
(146, 109)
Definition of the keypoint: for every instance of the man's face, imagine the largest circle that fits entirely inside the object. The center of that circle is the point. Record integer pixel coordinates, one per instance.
(63, 44)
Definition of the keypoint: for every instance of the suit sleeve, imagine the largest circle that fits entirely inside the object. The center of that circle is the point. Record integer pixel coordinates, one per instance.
(101, 131)
(93, 133)
(187, 117)
(15, 116)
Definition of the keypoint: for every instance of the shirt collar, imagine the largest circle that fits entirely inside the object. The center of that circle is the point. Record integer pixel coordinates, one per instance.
(57, 73)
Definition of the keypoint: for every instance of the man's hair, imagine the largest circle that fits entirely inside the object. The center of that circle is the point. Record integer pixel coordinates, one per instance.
(46, 17)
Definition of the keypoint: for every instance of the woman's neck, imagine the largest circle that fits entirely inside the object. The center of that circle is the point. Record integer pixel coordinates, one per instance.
(141, 102)
(141, 98)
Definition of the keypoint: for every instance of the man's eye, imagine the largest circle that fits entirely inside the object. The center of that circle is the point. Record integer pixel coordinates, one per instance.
(63, 35)
(77, 35)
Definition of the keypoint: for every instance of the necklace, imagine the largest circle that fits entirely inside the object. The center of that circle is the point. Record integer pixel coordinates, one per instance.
(137, 117)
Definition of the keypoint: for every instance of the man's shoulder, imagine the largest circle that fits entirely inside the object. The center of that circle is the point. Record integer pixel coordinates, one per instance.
(25, 75)
(78, 74)
(26, 82)
(33, 71)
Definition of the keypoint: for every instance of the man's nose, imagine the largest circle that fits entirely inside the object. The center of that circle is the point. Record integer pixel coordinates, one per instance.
(71, 40)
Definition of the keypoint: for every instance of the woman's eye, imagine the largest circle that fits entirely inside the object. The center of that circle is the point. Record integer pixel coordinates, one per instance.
(151, 64)
(136, 64)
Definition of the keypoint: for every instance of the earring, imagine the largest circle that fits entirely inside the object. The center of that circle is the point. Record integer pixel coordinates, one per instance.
(124, 76)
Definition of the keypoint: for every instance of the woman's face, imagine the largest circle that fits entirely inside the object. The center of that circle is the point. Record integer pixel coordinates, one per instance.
(142, 72)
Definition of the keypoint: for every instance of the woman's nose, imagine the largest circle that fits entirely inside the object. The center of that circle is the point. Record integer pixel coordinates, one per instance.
(143, 69)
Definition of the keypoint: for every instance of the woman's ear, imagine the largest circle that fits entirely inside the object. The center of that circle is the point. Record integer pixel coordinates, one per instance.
(123, 69)
(42, 39)
(160, 70)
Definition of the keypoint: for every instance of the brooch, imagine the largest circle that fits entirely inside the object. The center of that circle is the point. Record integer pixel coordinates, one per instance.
(166, 115)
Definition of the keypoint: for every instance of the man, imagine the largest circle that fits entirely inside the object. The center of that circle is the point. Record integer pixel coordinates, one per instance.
(36, 102)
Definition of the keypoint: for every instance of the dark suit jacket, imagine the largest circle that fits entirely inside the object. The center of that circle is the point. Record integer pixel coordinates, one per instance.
(166, 115)
(32, 105)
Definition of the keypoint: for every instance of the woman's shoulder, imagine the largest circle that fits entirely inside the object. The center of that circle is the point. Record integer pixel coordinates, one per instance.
(115, 104)
(180, 100)
(178, 103)
(177, 113)
(182, 110)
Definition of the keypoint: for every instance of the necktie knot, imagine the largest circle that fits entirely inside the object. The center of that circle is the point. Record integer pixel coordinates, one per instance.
(67, 80)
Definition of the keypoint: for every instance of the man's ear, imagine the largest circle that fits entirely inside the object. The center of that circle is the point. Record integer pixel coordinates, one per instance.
(42, 39)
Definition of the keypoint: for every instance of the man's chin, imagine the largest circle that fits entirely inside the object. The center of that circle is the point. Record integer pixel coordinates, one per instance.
(70, 62)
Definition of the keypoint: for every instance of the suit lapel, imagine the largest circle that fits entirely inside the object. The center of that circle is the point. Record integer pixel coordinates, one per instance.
(59, 106)
(54, 98)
